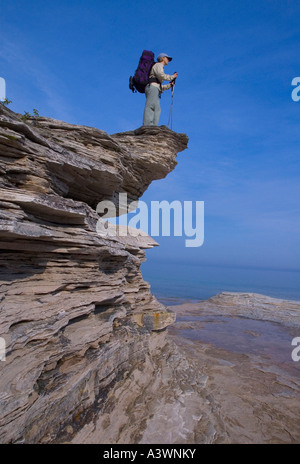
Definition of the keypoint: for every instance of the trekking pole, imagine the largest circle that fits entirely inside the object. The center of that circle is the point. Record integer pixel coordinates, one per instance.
(171, 108)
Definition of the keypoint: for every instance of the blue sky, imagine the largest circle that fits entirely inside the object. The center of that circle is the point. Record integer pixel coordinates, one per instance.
(235, 61)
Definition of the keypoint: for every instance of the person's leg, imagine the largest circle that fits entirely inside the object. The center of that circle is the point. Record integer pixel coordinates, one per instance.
(157, 110)
(152, 106)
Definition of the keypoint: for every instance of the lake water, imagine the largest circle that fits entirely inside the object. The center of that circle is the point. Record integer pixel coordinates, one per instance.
(197, 282)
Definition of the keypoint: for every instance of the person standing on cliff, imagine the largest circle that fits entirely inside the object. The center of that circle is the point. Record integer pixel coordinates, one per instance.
(155, 88)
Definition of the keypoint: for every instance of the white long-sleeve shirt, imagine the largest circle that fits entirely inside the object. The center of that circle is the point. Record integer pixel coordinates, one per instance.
(158, 72)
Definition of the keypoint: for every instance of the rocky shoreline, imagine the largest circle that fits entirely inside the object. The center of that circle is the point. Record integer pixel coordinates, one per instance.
(241, 344)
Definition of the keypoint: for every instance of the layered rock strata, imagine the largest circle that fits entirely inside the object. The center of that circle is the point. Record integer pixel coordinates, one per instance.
(82, 331)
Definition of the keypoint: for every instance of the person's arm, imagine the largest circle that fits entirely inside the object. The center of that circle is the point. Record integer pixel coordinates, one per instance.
(171, 84)
(165, 87)
(158, 71)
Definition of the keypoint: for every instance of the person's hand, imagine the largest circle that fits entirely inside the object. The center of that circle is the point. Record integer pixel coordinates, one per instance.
(175, 75)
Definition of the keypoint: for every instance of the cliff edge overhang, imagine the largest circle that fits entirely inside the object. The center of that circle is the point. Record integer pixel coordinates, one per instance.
(84, 163)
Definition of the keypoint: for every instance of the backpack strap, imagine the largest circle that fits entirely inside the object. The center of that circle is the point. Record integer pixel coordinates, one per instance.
(154, 79)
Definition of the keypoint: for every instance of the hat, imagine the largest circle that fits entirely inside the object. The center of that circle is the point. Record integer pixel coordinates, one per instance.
(161, 55)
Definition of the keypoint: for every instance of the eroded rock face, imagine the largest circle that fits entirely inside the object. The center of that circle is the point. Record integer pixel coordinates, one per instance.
(79, 322)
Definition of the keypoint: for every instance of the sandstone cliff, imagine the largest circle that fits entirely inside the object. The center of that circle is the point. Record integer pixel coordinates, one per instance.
(85, 338)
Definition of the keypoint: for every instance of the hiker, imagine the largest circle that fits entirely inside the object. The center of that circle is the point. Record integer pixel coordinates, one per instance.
(155, 88)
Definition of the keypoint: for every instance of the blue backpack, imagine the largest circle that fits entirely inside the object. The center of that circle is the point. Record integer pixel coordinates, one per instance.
(138, 82)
